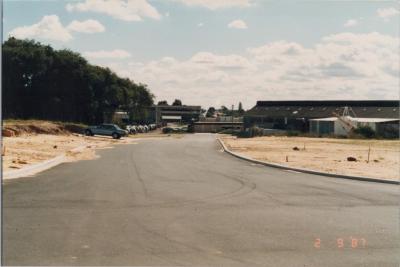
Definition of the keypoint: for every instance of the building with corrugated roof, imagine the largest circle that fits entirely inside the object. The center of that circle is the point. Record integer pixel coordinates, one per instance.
(296, 115)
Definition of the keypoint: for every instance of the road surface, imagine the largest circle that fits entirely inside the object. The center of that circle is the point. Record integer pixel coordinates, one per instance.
(184, 202)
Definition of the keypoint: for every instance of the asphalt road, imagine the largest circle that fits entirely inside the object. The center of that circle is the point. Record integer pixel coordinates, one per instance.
(185, 202)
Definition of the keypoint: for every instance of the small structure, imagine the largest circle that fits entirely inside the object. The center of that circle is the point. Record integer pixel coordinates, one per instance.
(215, 126)
(118, 116)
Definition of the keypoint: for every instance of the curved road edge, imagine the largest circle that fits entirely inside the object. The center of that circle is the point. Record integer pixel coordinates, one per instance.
(279, 166)
(38, 167)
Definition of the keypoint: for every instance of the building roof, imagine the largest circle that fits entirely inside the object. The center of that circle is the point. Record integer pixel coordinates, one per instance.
(342, 103)
(177, 108)
(324, 109)
(217, 123)
(357, 119)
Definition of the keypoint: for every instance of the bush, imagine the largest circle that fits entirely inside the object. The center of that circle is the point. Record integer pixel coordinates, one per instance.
(365, 131)
(292, 133)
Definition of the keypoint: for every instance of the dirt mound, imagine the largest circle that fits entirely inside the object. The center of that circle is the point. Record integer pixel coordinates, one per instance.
(33, 127)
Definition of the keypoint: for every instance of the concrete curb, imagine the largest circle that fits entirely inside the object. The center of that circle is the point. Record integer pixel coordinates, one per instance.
(38, 167)
(279, 166)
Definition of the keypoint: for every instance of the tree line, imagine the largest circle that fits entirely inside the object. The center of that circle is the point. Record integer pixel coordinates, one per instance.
(40, 82)
(225, 111)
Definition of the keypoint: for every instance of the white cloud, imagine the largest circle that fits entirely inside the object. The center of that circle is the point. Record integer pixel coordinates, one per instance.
(237, 24)
(127, 10)
(201, 24)
(351, 23)
(344, 66)
(387, 13)
(49, 28)
(217, 4)
(87, 26)
(102, 54)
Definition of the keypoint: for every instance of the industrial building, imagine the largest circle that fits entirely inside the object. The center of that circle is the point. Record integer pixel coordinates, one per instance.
(333, 125)
(182, 114)
(300, 115)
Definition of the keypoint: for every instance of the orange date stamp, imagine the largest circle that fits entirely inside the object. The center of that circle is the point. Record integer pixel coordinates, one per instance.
(341, 242)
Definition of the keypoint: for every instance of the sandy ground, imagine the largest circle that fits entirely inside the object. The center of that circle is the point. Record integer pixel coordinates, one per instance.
(324, 154)
(24, 150)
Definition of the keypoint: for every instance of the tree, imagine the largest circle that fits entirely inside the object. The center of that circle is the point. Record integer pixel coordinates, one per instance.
(224, 110)
(240, 109)
(43, 83)
(210, 112)
(162, 103)
(177, 102)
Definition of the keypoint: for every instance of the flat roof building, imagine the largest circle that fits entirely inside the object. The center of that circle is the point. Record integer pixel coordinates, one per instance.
(167, 113)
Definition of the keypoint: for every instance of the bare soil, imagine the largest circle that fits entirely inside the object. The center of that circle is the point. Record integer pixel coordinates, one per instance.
(34, 141)
(324, 154)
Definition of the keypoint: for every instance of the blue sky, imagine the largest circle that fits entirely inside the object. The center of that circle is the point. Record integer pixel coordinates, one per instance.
(225, 51)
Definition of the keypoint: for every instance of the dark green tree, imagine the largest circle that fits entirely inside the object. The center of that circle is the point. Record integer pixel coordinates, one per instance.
(162, 103)
(42, 83)
(210, 112)
(240, 109)
(177, 102)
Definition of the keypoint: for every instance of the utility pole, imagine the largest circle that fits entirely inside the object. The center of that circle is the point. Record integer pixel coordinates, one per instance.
(232, 117)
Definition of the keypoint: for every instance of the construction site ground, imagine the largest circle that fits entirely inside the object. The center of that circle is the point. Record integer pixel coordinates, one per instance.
(324, 154)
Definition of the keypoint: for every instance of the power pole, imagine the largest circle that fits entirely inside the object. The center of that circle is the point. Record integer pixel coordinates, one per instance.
(232, 118)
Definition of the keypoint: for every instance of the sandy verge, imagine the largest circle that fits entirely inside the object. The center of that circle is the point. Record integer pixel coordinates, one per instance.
(25, 150)
(324, 154)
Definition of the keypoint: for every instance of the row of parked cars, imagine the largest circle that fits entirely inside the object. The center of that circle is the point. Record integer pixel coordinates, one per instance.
(116, 132)
(134, 129)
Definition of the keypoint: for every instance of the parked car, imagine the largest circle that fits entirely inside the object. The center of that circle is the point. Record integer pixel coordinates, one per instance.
(106, 129)
(131, 129)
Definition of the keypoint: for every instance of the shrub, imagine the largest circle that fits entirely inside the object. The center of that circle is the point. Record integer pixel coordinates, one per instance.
(292, 133)
(365, 131)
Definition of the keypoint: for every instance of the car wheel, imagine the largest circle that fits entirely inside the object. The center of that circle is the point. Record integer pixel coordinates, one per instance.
(116, 136)
(88, 133)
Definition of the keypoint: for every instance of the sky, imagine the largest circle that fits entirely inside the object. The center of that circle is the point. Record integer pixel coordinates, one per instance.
(222, 52)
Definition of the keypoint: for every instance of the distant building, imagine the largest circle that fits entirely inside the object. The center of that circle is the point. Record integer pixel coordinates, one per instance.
(215, 126)
(222, 119)
(166, 113)
(116, 117)
(296, 115)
